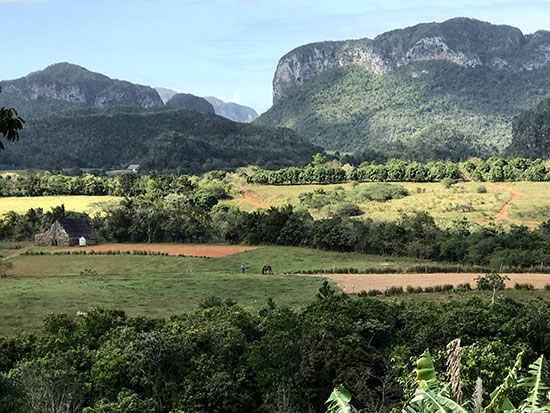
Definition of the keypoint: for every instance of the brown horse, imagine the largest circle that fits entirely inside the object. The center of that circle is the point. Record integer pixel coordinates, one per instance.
(267, 270)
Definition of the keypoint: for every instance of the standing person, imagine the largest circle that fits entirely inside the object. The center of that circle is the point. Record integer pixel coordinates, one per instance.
(242, 268)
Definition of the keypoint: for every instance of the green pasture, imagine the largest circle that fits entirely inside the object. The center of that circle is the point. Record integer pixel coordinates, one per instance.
(161, 286)
(78, 203)
(461, 200)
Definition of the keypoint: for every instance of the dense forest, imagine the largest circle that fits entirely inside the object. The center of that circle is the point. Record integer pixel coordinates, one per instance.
(156, 138)
(350, 108)
(224, 358)
(531, 132)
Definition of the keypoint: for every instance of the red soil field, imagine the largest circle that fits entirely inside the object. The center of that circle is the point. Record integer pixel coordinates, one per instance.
(214, 251)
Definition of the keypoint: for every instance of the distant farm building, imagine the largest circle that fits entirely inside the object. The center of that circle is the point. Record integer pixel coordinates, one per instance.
(66, 232)
(133, 168)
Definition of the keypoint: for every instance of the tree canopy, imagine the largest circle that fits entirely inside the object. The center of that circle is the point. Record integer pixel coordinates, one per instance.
(10, 124)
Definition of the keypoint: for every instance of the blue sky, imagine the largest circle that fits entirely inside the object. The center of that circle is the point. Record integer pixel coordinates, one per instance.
(223, 48)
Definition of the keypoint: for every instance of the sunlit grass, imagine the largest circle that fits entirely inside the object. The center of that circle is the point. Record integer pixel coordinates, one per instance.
(78, 203)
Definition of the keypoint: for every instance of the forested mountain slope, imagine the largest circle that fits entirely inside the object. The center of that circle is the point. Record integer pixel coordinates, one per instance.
(157, 138)
(531, 132)
(470, 76)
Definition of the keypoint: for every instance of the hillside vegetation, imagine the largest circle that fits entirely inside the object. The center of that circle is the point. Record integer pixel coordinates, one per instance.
(190, 102)
(531, 132)
(350, 108)
(156, 138)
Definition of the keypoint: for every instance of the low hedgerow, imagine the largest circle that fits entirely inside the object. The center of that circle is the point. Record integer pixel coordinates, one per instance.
(524, 286)
(394, 290)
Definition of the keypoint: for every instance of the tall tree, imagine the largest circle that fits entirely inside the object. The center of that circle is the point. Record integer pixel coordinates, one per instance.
(10, 124)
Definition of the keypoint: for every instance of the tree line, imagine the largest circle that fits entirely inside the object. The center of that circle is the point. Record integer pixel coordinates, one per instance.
(224, 358)
(196, 217)
(96, 183)
(398, 170)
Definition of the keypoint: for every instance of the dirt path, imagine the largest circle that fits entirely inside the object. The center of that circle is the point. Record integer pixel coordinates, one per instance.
(503, 213)
(249, 200)
(353, 283)
(214, 251)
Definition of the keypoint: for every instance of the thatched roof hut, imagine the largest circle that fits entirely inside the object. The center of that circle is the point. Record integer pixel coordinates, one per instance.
(66, 232)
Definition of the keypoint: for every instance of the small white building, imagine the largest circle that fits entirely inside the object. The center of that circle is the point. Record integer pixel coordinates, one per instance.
(133, 167)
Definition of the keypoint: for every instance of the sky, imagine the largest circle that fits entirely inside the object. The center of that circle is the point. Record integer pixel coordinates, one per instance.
(223, 48)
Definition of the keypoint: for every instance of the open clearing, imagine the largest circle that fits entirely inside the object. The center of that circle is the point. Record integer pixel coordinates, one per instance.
(78, 203)
(161, 286)
(212, 251)
(520, 203)
(354, 283)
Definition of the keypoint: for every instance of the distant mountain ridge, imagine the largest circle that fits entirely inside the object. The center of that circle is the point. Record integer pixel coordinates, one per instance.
(229, 110)
(232, 110)
(165, 93)
(190, 102)
(64, 86)
(463, 41)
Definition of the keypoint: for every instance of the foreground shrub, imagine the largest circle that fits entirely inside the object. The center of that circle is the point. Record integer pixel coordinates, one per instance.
(393, 291)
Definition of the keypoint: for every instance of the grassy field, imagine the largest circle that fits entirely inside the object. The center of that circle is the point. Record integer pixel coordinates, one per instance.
(463, 199)
(160, 286)
(78, 203)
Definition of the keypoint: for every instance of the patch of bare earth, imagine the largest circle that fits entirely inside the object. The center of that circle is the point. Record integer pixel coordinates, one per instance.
(353, 283)
(213, 251)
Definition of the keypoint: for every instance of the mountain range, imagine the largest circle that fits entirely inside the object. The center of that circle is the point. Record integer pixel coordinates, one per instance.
(468, 75)
(65, 86)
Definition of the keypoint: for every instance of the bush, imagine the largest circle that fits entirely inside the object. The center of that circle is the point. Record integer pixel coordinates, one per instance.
(524, 286)
(210, 302)
(547, 287)
(88, 272)
(448, 182)
(464, 287)
(379, 191)
(429, 290)
(374, 293)
(481, 189)
(393, 291)
(347, 209)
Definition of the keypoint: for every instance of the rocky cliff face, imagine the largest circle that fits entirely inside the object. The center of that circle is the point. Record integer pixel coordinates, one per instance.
(65, 84)
(232, 110)
(462, 41)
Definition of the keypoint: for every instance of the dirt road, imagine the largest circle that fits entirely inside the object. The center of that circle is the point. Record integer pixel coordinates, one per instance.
(249, 200)
(503, 213)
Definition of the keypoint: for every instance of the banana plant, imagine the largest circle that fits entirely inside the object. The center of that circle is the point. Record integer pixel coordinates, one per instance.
(431, 396)
(340, 401)
(538, 398)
